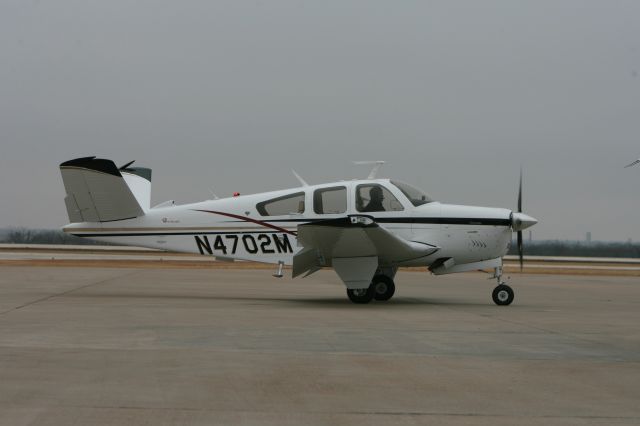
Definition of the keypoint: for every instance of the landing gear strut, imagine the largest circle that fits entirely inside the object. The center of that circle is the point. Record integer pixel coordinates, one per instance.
(503, 294)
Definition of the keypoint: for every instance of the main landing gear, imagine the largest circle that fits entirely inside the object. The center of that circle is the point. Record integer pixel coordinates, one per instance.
(503, 294)
(381, 289)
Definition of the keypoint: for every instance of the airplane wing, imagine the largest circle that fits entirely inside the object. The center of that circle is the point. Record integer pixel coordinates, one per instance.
(354, 246)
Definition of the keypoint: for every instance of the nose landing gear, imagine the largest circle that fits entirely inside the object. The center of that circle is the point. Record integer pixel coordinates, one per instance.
(502, 295)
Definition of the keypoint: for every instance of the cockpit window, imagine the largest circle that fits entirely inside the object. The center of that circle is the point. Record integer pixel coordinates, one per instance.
(288, 204)
(376, 198)
(416, 196)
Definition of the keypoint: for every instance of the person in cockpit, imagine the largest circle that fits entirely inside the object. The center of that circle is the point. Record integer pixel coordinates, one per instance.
(375, 200)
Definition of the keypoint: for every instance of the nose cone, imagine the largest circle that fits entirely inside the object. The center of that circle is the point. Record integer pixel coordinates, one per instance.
(520, 221)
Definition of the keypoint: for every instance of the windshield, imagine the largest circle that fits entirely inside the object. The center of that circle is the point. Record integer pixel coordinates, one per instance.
(416, 196)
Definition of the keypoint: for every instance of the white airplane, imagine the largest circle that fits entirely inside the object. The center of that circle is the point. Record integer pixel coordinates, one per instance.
(364, 229)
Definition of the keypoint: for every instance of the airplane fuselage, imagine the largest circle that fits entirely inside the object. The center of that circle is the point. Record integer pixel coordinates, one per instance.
(243, 228)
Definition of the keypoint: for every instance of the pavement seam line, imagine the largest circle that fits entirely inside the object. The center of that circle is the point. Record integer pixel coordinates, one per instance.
(497, 318)
(366, 413)
(44, 299)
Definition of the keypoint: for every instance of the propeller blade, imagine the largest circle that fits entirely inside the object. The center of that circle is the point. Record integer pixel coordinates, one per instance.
(520, 250)
(520, 245)
(520, 193)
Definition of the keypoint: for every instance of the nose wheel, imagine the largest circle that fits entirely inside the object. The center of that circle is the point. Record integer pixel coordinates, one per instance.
(502, 295)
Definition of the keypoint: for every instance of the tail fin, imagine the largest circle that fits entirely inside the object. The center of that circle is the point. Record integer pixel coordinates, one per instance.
(138, 180)
(98, 192)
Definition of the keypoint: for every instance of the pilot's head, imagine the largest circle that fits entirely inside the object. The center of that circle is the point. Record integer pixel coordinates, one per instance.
(375, 193)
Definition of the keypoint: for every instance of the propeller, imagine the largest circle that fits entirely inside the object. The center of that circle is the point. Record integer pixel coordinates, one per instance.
(520, 247)
(520, 222)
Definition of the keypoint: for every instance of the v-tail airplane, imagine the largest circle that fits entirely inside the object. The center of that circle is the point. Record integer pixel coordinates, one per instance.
(364, 229)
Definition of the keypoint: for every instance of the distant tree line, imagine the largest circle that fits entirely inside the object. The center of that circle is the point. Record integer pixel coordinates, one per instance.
(42, 236)
(533, 248)
(578, 249)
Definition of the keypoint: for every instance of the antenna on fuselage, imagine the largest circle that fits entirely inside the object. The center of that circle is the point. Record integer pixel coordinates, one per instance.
(376, 167)
(302, 181)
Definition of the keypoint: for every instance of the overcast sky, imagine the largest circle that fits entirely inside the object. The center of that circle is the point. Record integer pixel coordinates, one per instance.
(230, 95)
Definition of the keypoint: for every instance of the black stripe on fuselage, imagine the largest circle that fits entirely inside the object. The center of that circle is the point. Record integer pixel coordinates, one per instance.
(420, 220)
(406, 220)
(456, 221)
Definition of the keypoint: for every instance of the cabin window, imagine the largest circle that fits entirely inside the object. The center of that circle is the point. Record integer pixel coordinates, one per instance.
(376, 198)
(287, 204)
(330, 200)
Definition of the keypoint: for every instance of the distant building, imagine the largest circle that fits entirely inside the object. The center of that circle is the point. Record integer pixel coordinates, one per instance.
(588, 237)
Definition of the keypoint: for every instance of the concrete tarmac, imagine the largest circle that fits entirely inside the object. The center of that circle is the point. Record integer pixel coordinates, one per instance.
(92, 346)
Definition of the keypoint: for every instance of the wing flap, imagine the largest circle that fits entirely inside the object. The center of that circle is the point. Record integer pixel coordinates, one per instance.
(305, 260)
(356, 272)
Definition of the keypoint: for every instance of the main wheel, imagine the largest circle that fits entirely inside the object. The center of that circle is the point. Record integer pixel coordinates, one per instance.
(502, 295)
(360, 295)
(383, 287)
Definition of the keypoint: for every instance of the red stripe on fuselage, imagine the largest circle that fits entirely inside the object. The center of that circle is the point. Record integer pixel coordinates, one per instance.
(248, 219)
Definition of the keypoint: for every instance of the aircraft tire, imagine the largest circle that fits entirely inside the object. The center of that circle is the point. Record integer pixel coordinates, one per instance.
(360, 295)
(383, 288)
(502, 295)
